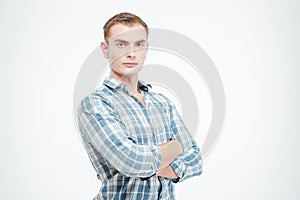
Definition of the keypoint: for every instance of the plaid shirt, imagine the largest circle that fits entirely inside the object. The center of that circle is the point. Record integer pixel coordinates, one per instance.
(121, 137)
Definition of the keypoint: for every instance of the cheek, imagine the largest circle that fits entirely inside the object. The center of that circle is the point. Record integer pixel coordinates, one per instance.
(115, 56)
(142, 53)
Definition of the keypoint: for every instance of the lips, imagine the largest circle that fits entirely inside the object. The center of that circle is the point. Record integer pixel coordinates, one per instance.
(130, 64)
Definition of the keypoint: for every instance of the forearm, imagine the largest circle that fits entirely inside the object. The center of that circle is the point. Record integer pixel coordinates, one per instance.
(167, 172)
(170, 151)
(188, 164)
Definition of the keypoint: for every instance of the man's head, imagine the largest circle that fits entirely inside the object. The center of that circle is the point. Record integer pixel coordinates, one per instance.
(125, 44)
(124, 18)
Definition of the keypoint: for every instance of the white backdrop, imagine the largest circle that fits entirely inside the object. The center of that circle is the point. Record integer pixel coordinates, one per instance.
(255, 46)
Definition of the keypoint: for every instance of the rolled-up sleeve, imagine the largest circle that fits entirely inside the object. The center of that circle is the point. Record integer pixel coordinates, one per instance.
(100, 125)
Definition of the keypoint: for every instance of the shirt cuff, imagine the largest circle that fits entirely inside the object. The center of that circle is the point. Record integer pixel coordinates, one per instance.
(179, 168)
(157, 155)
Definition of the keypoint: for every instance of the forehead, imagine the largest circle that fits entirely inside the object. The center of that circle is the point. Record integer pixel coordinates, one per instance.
(131, 33)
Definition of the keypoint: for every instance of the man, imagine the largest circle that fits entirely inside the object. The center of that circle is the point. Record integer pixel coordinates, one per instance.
(134, 137)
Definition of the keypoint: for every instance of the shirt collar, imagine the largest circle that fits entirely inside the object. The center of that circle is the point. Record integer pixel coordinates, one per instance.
(116, 84)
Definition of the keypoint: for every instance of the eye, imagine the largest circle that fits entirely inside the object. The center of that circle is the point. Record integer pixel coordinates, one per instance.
(140, 44)
(121, 44)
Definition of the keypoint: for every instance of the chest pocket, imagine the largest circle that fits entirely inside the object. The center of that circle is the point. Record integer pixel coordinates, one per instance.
(150, 126)
(160, 122)
(137, 126)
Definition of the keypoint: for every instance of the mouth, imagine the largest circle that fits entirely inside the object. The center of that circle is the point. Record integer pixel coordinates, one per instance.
(130, 64)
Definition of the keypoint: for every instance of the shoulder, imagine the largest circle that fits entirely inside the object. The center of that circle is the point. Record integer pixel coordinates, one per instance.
(100, 97)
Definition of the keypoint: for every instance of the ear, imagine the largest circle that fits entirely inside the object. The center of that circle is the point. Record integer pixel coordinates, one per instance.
(104, 48)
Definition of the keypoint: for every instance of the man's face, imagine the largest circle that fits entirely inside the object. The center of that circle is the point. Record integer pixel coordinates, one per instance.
(126, 49)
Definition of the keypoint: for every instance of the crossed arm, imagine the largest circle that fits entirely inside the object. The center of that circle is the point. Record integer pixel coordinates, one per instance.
(188, 163)
(170, 151)
(178, 158)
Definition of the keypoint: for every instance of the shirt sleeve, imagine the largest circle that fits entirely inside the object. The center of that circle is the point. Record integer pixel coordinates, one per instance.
(189, 163)
(100, 125)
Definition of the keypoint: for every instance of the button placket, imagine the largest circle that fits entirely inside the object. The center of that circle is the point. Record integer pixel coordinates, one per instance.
(151, 124)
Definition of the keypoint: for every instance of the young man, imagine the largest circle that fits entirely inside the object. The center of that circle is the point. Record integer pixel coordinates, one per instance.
(135, 138)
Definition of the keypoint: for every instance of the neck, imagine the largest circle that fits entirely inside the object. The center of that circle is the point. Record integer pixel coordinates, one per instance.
(131, 81)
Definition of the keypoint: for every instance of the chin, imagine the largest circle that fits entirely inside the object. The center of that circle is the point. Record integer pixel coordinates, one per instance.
(131, 71)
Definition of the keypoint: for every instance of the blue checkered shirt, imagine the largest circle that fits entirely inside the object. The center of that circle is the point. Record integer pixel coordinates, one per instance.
(121, 137)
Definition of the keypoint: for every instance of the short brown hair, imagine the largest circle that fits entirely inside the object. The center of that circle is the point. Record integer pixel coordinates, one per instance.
(125, 18)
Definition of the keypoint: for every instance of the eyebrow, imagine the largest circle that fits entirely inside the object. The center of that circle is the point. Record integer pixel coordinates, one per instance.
(140, 41)
(124, 41)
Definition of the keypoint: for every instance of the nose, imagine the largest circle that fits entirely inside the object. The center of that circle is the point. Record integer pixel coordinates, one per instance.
(131, 53)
